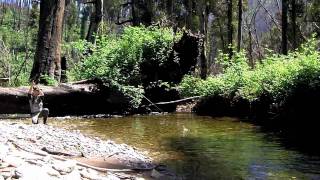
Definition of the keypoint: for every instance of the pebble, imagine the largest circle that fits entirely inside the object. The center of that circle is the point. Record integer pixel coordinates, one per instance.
(64, 167)
(13, 161)
(7, 175)
(74, 175)
(50, 171)
(31, 172)
(3, 151)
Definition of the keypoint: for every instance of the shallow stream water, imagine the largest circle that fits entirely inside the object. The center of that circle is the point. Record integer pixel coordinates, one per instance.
(198, 147)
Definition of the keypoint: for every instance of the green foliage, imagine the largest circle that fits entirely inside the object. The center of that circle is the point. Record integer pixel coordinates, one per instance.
(49, 81)
(276, 76)
(118, 59)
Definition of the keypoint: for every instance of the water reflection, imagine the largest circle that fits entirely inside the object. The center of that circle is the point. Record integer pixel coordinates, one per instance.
(205, 148)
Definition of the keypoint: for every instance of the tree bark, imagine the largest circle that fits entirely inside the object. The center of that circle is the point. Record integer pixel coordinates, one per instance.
(230, 28)
(189, 8)
(95, 20)
(203, 30)
(239, 25)
(284, 27)
(48, 51)
(84, 21)
(135, 13)
(169, 8)
(294, 24)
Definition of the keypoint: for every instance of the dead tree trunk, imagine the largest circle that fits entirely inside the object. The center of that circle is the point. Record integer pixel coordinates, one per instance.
(47, 56)
(95, 20)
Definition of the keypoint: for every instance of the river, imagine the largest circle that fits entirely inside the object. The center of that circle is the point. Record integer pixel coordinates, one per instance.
(198, 147)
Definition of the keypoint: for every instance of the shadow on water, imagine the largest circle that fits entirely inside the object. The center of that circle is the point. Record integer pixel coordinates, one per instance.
(300, 137)
(197, 163)
(205, 158)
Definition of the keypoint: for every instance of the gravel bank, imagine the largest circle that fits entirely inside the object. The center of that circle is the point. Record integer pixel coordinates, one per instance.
(34, 151)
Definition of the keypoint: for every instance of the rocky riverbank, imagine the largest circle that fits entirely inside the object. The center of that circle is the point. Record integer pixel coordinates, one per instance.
(45, 152)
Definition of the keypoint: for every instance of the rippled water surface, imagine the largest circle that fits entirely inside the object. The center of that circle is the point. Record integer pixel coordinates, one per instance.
(204, 148)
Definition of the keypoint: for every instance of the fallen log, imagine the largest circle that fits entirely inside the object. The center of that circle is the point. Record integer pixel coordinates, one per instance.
(81, 98)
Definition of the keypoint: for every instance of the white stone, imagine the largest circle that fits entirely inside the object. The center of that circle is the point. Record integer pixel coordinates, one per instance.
(155, 174)
(90, 174)
(112, 177)
(3, 151)
(4, 165)
(65, 167)
(50, 171)
(13, 161)
(7, 175)
(28, 172)
(74, 175)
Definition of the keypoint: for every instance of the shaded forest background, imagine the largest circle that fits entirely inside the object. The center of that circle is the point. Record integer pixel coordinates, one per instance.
(251, 25)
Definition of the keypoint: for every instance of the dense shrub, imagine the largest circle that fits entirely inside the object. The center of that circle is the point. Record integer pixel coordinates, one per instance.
(118, 59)
(276, 77)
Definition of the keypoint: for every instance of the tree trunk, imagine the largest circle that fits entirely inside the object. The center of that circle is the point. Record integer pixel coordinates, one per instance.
(47, 56)
(135, 13)
(284, 27)
(169, 8)
(239, 25)
(294, 24)
(250, 48)
(203, 29)
(84, 21)
(230, 28)
(148, 12)
(95, 20)
(189, 9)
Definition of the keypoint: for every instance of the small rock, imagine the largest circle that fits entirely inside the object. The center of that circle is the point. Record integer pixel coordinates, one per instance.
(113, 177)
(74, 175)
(30, 172)
(155, 174)
(13, 161)
(50, 171)
(4, 165)
(3, 151)
(64, 167)
(7, 175)
(90, 174)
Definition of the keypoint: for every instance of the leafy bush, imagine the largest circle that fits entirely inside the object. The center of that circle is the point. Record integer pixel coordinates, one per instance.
(276, 76)
(118, 59)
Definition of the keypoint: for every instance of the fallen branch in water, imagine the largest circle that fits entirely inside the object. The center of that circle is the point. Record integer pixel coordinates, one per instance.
(179, 101)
